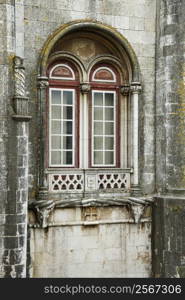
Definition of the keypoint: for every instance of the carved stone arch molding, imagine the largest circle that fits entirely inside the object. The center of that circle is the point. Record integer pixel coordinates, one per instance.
(124, 49)
(86, 43)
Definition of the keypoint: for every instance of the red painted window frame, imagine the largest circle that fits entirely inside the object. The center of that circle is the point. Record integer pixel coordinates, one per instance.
(105, 86)
(65, 84)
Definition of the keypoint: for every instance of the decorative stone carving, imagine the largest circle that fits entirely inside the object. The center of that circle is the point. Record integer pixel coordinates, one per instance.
(125, 89)
(136, 88)
(43, 210)
(19, 73)
(86, 180)
(90, 214)
(137, 212)
(85, 87)
(137, 206)
(20, 101)
(42, 82)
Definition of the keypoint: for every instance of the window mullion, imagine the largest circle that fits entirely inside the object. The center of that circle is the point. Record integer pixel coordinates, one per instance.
(103, 128)
(61, 162)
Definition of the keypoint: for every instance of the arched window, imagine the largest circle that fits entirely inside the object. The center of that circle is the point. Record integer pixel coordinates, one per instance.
(88, 95)
(63, 115)
(104, 116)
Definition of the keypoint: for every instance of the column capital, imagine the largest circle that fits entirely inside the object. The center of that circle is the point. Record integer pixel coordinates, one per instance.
(85, 87)
(125, 89)
(136, 88)
(42, 82)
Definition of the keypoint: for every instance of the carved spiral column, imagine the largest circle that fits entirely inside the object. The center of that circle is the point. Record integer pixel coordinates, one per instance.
(20, 101)
(135, 91)
(42, 90)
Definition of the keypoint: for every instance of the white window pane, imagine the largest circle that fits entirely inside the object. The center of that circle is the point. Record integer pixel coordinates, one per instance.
(109, 158)
(56, 97)
(98, 128)
(109, 99)
(67, 112)
(109, 143)
(109, 128)
(98, 99)
(67, 142)
(56, 142)
(98, 143)
(56, 112)
(55, 157)
(68, 97)
(55, 127)
(98, 113)
(98, 157)
(109, 113)
(67, 157)
(67, 127)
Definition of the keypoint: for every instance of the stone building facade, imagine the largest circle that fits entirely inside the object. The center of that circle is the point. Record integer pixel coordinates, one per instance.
(92, 138)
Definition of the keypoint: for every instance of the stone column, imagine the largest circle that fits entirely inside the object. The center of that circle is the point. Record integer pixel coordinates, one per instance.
(42, 96)
(169, 208)
(135, 91)
(85, 89)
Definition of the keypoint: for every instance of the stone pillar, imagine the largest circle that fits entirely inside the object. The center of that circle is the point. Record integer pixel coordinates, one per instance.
(168, 218)
(135, 91)
(42, 90)
(15, 242)
(85, 89)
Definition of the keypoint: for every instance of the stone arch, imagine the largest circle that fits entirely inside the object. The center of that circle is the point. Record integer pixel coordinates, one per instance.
(120, 43)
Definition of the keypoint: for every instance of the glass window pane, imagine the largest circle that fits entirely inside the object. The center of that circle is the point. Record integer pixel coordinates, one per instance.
(109, 128)
(98, 99)
(67, 157)
(67, 127)
(98, 157)
(98, 128)
(109, 113)
(109, 143)
(98, 143)
(55, 157)
(67, 112)
(109, 99)
(56, 112)
(56, 97)
(55, 127)
(56, 142)
(98, 113)
(67, 142)
(68, 97)
(109, 158)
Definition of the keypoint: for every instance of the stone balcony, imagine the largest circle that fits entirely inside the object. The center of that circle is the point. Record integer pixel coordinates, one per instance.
(87, 181)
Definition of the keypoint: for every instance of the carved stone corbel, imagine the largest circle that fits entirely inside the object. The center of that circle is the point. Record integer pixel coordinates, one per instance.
(137, 211)
(125, 89)
(43, 209)
(20, 100)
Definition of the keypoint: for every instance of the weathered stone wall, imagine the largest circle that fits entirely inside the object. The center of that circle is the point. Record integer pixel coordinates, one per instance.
(14, 150)
(170, 100)
(168, 237)
(135, 20)
(168, 213)
(112, 246)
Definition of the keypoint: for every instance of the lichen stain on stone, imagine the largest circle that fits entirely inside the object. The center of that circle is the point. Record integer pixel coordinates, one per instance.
(180, 136)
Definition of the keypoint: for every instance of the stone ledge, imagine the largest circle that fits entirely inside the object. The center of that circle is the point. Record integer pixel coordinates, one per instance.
(21, 118)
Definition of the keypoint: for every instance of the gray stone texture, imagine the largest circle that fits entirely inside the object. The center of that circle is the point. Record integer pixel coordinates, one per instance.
(168, 237)
(155, 31)
(170, 92)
